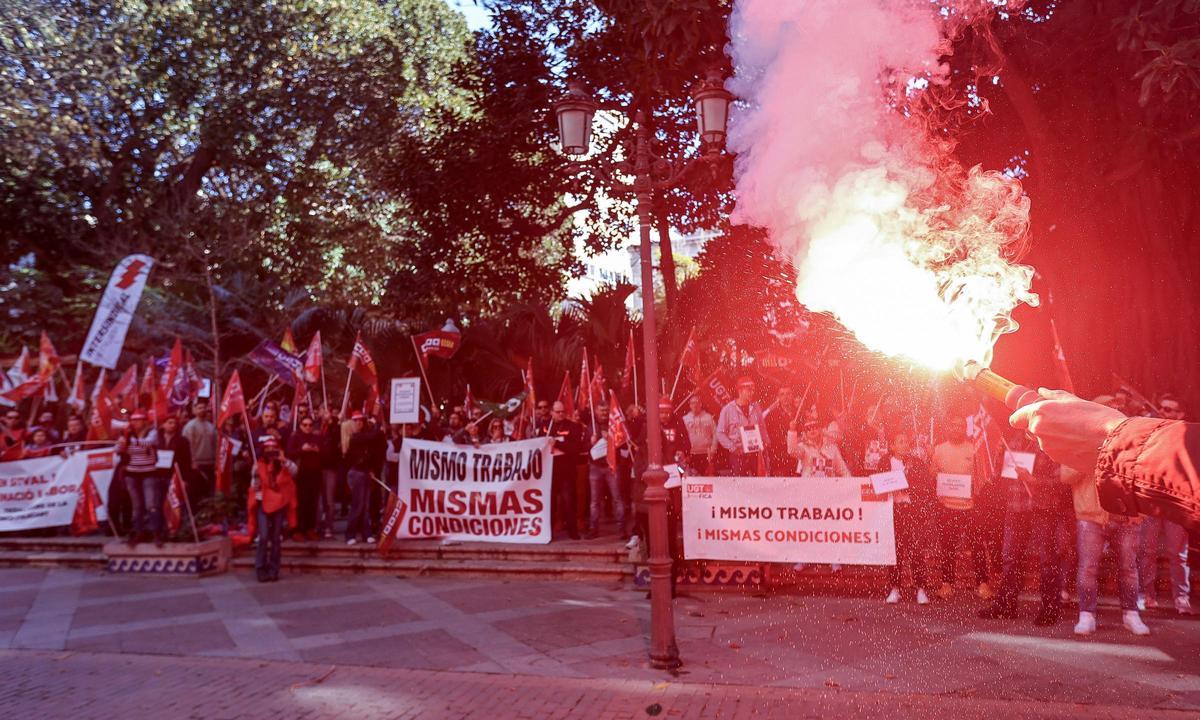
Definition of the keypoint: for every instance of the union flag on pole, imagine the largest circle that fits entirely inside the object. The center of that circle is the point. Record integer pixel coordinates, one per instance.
(75, 400)
(162, 399)
(233, 401)
(124, 393)
(585, 385)
(618, 430)
(599, 387)
(288, 343)
(84, 520)
(363, 364)
(48, 360)
(627, 381)
(173, 504)
(100, 422)
(566, 394)
(394, 512)
(441, 343)
(313, 360)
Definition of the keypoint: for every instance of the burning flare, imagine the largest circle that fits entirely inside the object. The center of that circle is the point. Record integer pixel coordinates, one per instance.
(912, 253)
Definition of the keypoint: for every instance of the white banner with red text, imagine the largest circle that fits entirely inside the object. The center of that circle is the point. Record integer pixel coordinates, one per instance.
(42, 492)
(493, 493)
(787, 519)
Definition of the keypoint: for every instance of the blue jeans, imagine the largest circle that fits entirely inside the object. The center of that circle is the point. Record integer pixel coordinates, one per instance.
(1038, 530)
(600, 476)
(270, 535)
(1090, 541)
(146, 492)
(1175, 543)
(360, 492)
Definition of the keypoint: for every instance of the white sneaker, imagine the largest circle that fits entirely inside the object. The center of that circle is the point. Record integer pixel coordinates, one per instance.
(1086, 624)
(922, 598)
(370, 539)
(1133, 623)
(352, 541)
(894, 596)
(633, 542)
(1183, 606)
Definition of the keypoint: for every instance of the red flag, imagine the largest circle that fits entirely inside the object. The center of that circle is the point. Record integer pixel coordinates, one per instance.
(48, 360)
(189, 382)
(599, 388)
(313, 360)
(585, 385)
(75, 399)
(630, 362)
(100, 423)
(224, 468)
(162, 399)
(26, 389)
(362, 363)
(173, 504)
(233, 401)
(618, 431)
(441, 343)
(149, 388)
(288, 343)
(395, 512)
(691, 357)
(84, 520)
(566, 394)
(469, 402)
(13, 444)
(124, 393)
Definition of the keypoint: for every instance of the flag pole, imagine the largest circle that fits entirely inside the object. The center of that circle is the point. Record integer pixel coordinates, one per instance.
(421, 366)
(262, 397)
(250, 439)
(324, 395)
(187, 504)
(346, 393)
(678, 372)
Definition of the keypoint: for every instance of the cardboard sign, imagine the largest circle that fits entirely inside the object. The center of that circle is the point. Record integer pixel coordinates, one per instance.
(405, 405)
(889, 482)
(953, 485)
(1014, 460)
(752, 441)
(674, 476)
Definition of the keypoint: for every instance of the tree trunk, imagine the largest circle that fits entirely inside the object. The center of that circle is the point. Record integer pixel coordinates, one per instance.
(215, 389)
(666, 257)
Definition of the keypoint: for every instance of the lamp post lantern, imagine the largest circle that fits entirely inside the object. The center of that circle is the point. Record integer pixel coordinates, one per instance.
(652, 174)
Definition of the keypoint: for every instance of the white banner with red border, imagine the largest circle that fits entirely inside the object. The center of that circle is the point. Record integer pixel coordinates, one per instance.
(42, 492)
(787, 519)
(493, 493)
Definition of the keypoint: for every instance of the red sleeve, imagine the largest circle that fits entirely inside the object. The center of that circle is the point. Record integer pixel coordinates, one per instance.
(1148, 466)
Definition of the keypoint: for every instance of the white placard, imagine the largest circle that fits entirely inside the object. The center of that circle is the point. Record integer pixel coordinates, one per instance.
(600, 449)
(165, 459)
(889, 482)
(674, 476)
(752, 441)
(405, 405)
(787, 519)
(1014, 460)
(954, 485)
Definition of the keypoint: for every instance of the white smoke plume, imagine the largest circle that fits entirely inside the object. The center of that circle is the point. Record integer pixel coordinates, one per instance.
(888, 232)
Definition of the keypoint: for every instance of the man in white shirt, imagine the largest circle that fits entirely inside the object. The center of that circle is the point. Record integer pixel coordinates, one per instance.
(702, 436)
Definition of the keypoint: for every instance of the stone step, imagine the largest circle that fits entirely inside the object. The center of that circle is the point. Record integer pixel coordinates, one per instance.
(89, 543)
(425, 550)
(75, 559)
(458, 568)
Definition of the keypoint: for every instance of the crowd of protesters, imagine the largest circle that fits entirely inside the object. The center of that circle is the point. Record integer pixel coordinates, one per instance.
(308, 471)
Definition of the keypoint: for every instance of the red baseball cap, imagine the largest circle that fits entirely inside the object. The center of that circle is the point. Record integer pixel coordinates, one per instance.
(357, 415)
(745, 381)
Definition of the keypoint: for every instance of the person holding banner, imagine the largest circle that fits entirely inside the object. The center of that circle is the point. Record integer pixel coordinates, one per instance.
(911, 511)
(702, 437)
(138, 448)
(954, 469)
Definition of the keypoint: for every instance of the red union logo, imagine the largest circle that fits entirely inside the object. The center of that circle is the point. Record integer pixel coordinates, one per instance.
(700, 489)
(130, 274)
(868, 494)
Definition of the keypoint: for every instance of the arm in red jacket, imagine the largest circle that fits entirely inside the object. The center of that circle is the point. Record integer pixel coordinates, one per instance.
(1148, 466)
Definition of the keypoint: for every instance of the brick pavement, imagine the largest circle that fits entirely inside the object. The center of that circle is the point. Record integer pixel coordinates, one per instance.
(572, 636)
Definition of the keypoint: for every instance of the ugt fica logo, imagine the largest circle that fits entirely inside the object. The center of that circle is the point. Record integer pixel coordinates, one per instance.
(700, 490)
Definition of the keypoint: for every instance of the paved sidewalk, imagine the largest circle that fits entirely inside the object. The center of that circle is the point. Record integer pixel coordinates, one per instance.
(82, 686)
(576, 637)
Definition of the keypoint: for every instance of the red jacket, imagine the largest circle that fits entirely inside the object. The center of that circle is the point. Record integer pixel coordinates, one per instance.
(1147, 466)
